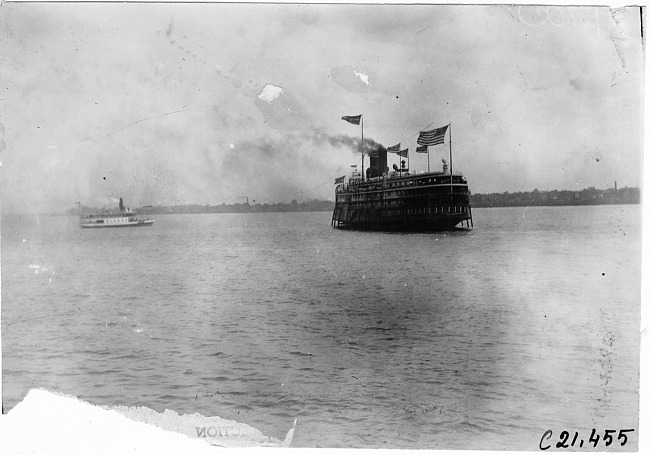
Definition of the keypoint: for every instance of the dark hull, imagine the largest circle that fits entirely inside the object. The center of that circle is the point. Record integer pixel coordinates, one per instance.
(405, 224)
(423, 203)
(117, 226)
(139, 223)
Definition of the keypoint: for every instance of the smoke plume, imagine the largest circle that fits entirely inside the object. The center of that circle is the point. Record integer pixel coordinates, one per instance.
(351, 142)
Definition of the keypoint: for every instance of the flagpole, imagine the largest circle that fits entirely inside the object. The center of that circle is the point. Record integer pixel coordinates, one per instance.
(363, 172)
(428, 162)
(451, 165)
(451, 162)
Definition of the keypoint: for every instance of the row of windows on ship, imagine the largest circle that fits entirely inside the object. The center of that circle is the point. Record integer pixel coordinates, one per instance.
(114, 220)
(429, 210)
(426, 210)
(397, 195)
(419, 182)
(404, 184)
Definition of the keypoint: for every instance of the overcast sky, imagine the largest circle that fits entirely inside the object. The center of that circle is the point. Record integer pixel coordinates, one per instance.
(196, 103)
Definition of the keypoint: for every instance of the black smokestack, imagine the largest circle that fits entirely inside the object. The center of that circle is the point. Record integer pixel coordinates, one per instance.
(378, 161)
(121, 205)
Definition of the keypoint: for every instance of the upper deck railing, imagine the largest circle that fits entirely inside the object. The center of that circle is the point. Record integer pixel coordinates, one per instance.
(400, 181)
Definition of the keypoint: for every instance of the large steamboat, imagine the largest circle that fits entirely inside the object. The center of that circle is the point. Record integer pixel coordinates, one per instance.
(399, 200)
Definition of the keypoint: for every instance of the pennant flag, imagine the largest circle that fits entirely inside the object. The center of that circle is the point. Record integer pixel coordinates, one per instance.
(354, 119)
(422, 149)
(404, 152)
(339, 180)
(394, 148)
(433, 137)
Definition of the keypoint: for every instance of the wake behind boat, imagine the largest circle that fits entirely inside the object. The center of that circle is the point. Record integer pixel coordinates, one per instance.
(124, 218)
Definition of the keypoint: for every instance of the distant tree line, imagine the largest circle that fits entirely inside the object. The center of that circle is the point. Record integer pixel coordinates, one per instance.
(589, 196)
(295, 206)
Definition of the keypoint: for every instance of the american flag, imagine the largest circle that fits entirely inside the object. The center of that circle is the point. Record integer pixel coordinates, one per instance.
(394, 148)
(354, 119)
(433, 137)
(404, 152)
(339, 179)
(422, 149)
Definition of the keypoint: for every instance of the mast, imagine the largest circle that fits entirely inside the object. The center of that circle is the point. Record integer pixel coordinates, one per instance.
(451, 167)
(451, 163)
(355, 120)
(363, 171)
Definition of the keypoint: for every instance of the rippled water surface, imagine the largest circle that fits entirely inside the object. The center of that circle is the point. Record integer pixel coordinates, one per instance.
(471, 339)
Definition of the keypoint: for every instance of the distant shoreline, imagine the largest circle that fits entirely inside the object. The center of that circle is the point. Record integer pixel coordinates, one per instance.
(554, 198)
(589, 196)
(535, 198)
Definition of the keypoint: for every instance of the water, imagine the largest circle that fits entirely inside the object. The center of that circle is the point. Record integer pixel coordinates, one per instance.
(481, 339)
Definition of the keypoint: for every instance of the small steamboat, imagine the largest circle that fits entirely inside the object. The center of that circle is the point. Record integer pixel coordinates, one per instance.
(124, 218)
